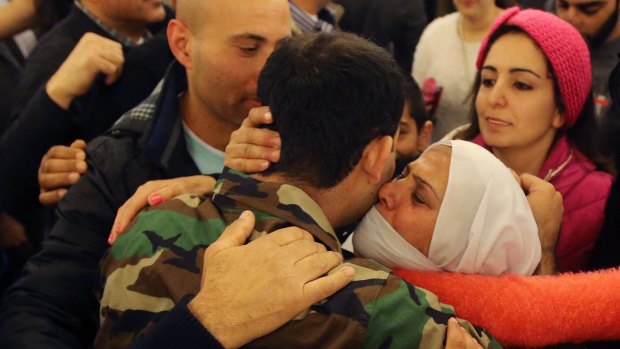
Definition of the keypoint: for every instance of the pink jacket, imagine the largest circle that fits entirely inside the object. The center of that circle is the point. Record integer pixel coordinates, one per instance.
(585, 191)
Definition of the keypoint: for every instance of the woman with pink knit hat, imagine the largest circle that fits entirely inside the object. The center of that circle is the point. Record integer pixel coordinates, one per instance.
(533, 109)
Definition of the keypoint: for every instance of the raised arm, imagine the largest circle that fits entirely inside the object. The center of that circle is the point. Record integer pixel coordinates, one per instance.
(17, 16)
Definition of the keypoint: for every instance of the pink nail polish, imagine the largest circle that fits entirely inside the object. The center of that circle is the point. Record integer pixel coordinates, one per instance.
(111, 239)
(156, 200)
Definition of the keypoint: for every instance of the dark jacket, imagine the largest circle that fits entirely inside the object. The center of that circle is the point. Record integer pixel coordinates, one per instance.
(395, 25)
(11, 64)
(605, 254)
(39, 123)
(54, 305)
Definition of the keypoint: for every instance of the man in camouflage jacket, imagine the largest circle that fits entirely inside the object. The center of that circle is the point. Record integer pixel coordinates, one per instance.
(158, 263)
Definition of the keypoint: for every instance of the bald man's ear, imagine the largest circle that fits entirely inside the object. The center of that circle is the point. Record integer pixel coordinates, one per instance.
(180, 42)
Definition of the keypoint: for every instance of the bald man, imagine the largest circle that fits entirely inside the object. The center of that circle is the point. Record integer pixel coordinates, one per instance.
(220, 47)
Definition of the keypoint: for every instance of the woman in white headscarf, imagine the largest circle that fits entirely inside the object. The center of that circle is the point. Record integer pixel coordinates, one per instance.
(536, 305)
(457, 208)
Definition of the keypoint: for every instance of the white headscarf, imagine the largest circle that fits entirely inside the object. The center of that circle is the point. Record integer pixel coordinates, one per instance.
(484, 226)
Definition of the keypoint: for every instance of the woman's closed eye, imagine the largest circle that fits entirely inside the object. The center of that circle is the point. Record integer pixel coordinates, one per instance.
(417, 198)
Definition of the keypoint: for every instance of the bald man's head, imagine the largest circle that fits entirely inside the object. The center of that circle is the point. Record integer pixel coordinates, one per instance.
(223, 45)
(193, 13)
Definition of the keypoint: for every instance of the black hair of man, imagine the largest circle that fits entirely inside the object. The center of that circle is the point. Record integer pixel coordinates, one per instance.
(330, 94)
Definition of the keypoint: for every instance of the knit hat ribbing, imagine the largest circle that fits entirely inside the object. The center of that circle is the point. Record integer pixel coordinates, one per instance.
(563, 46)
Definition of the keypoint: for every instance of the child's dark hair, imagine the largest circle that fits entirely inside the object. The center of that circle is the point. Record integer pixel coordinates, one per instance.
(415, 101)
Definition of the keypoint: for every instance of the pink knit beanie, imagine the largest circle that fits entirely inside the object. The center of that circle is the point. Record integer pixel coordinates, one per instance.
(564, 47)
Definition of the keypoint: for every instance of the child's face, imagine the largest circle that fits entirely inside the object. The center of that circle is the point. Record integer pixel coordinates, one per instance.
(411, 202)
(407, 144)
(411, 140)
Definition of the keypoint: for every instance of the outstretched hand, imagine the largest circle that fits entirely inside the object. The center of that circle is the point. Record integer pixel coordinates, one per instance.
(248, 291)
(154, 193)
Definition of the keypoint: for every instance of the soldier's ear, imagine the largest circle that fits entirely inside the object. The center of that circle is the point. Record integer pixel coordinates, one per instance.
(376, 157)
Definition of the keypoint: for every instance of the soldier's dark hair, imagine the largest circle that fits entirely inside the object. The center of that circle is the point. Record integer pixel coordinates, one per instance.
(330, 96)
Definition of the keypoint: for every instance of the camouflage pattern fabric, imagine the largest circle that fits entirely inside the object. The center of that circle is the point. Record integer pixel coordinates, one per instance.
(158, 263)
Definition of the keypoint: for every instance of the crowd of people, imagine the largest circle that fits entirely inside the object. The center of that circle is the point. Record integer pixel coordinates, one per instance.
(309, 173)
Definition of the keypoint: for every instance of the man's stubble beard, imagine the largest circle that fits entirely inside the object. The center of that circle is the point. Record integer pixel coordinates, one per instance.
(600, 36)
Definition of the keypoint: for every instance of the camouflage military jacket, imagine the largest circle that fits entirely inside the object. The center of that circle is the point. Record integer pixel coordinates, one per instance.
(158, 263)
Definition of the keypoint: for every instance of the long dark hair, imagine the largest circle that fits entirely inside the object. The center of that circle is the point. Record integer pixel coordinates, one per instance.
(581, 135)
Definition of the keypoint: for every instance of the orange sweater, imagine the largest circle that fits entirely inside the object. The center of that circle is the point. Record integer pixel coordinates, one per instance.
(532, 311)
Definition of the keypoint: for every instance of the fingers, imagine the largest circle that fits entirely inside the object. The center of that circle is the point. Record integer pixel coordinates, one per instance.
(50, 198)
(131, 207)
(93, 55)
(532, 183)
(249, 158)
(285, 236)
(256, 136)
(60, 167)
(316, 264)
(58, 180)
(78, 144)
(303, 248)
(51, 165)
(64, 152)
(470, 342)
(252, 148)
(257, 117)
(126, 213)
(458, 338)
(319, 289)
(170, 189)
(234, 235)
(454, 337)
(154, 193)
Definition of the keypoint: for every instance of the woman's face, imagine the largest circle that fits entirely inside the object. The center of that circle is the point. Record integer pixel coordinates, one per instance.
(516, 104)
(411, 202)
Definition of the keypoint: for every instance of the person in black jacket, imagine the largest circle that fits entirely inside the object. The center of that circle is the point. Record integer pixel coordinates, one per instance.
(605, 254)
(395, 25)
(180, 130)
(44, 117)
